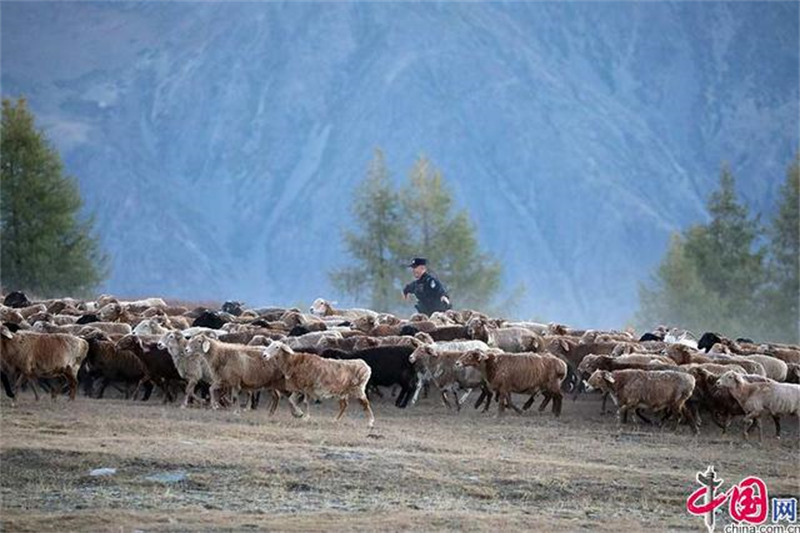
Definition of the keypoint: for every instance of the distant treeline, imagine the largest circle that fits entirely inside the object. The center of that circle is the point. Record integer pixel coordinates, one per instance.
(734, 275)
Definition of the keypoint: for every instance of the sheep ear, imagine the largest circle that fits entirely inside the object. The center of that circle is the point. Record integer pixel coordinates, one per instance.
(608, 377)
(564, 345)
(206, 346)
(7, 333)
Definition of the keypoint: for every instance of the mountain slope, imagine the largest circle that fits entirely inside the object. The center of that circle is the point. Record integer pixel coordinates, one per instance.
(219, 144)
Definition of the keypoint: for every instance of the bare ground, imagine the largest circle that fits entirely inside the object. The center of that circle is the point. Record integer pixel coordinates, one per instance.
(422, 468)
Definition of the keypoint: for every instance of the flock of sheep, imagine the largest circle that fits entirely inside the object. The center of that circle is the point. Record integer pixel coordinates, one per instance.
(213, 356)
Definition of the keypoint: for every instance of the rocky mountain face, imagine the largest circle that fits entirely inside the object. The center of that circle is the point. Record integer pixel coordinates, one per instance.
(219, 144)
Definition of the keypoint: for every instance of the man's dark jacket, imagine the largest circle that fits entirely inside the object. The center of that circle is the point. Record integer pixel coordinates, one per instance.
(429, 292)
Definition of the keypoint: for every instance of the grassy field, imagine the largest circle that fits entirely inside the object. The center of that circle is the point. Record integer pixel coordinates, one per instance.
(422, 468)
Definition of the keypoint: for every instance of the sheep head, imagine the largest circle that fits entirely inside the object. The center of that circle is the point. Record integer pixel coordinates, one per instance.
(321, 307)
(173, 342)
(422, 352)
(601, 380)
(729, 380)
(473, 358)
(277, 350)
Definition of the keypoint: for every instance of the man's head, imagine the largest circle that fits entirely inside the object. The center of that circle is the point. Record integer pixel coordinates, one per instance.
(419, 266)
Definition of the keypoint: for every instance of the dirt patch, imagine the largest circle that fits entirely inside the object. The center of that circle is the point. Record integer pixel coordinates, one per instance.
(422, 468)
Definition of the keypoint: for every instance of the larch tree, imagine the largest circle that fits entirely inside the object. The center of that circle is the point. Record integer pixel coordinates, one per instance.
(48, 247)
(447, 239)
(379, 246)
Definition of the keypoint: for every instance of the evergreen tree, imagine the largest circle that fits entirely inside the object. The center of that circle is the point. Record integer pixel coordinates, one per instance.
(723, 251)
(678, 295)
(783, 263)
(46, 248)
(447, 239)
(711, 278)
(379, 248)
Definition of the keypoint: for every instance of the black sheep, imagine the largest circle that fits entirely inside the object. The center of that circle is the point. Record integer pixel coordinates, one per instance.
(390, 366)
(708, 340)
(16, 299)
(208, 319)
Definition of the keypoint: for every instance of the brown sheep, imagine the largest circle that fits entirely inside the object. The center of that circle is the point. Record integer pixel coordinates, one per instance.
(684, 355)
(592, 362)
(718, 401)
(657, 390)
(106, 362)
(237, 367)
(519, 373)
(316, 378)
(29, 355)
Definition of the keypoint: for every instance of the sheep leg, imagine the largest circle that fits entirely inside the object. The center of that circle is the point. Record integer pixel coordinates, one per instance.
(342, 407)
(72, 381)
(489, 401)
(136, 390)
(103, 386)
(777, 420)
(235, 399)
(53, 393)
(276, 397)
(6, 385)
(255, 398)
(455, 399)
(501, 406)
(557, 402)
(482, 397)
(296, 412)
(88, 385)
(367, 409)
(691, 419)
(417, 390)
(548, 396)
(603, 405)
(727, 423)
(148, 389)
(638, 412)
(199, 398)
(404, 397)
(23, 378)
(215, 390)
(715, 418)
(306, 405)
(527, 405)
(623, 414)
(189, 393)
(748, 424)
(511, 403)
(443, 394)
(465, 396)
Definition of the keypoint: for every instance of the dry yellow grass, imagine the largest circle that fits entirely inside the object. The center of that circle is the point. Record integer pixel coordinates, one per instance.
(422, 468)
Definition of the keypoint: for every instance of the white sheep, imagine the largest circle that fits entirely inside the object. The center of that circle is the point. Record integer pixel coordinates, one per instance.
(758, 398)
(324, 308)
